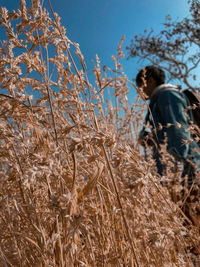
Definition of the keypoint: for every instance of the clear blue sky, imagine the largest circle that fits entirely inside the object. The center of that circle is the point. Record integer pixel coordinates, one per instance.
(98, 25)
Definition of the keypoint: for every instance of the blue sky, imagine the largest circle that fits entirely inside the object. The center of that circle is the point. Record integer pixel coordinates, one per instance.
(98, 25)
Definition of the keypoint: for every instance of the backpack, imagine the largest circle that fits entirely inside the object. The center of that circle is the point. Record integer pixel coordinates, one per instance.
(194, 101)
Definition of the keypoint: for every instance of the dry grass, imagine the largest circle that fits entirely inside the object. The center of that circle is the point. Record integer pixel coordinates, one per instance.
(75, 190)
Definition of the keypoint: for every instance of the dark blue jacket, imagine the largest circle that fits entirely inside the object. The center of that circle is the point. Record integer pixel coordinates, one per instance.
(169, 117)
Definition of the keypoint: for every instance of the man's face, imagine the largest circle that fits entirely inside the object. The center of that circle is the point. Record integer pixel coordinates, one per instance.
(147, 87)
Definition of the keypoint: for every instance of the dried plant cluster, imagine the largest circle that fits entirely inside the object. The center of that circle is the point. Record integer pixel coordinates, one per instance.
(75, 191)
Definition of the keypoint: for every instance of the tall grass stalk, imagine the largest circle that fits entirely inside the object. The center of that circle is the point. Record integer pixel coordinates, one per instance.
(75, 189)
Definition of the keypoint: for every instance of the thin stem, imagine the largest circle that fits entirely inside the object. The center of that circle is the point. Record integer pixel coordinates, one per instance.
(119, 201)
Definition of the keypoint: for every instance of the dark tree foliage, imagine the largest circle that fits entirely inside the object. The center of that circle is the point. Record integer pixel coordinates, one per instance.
(176, 48)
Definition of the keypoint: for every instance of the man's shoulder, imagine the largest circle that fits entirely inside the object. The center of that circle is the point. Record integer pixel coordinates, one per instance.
(170, 93)
(167, 91)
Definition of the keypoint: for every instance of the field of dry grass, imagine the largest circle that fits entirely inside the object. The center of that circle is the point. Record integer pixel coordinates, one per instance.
(75, 190)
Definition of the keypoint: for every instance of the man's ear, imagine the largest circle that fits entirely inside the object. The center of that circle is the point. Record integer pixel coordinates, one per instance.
(152, 82)
(151, 79)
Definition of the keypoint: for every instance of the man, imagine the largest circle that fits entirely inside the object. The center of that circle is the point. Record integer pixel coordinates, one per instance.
(170, 123)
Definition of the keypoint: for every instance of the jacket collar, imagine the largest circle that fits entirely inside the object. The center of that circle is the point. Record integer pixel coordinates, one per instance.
(163, 87)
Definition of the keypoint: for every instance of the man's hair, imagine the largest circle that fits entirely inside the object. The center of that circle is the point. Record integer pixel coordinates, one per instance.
(150, 71)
